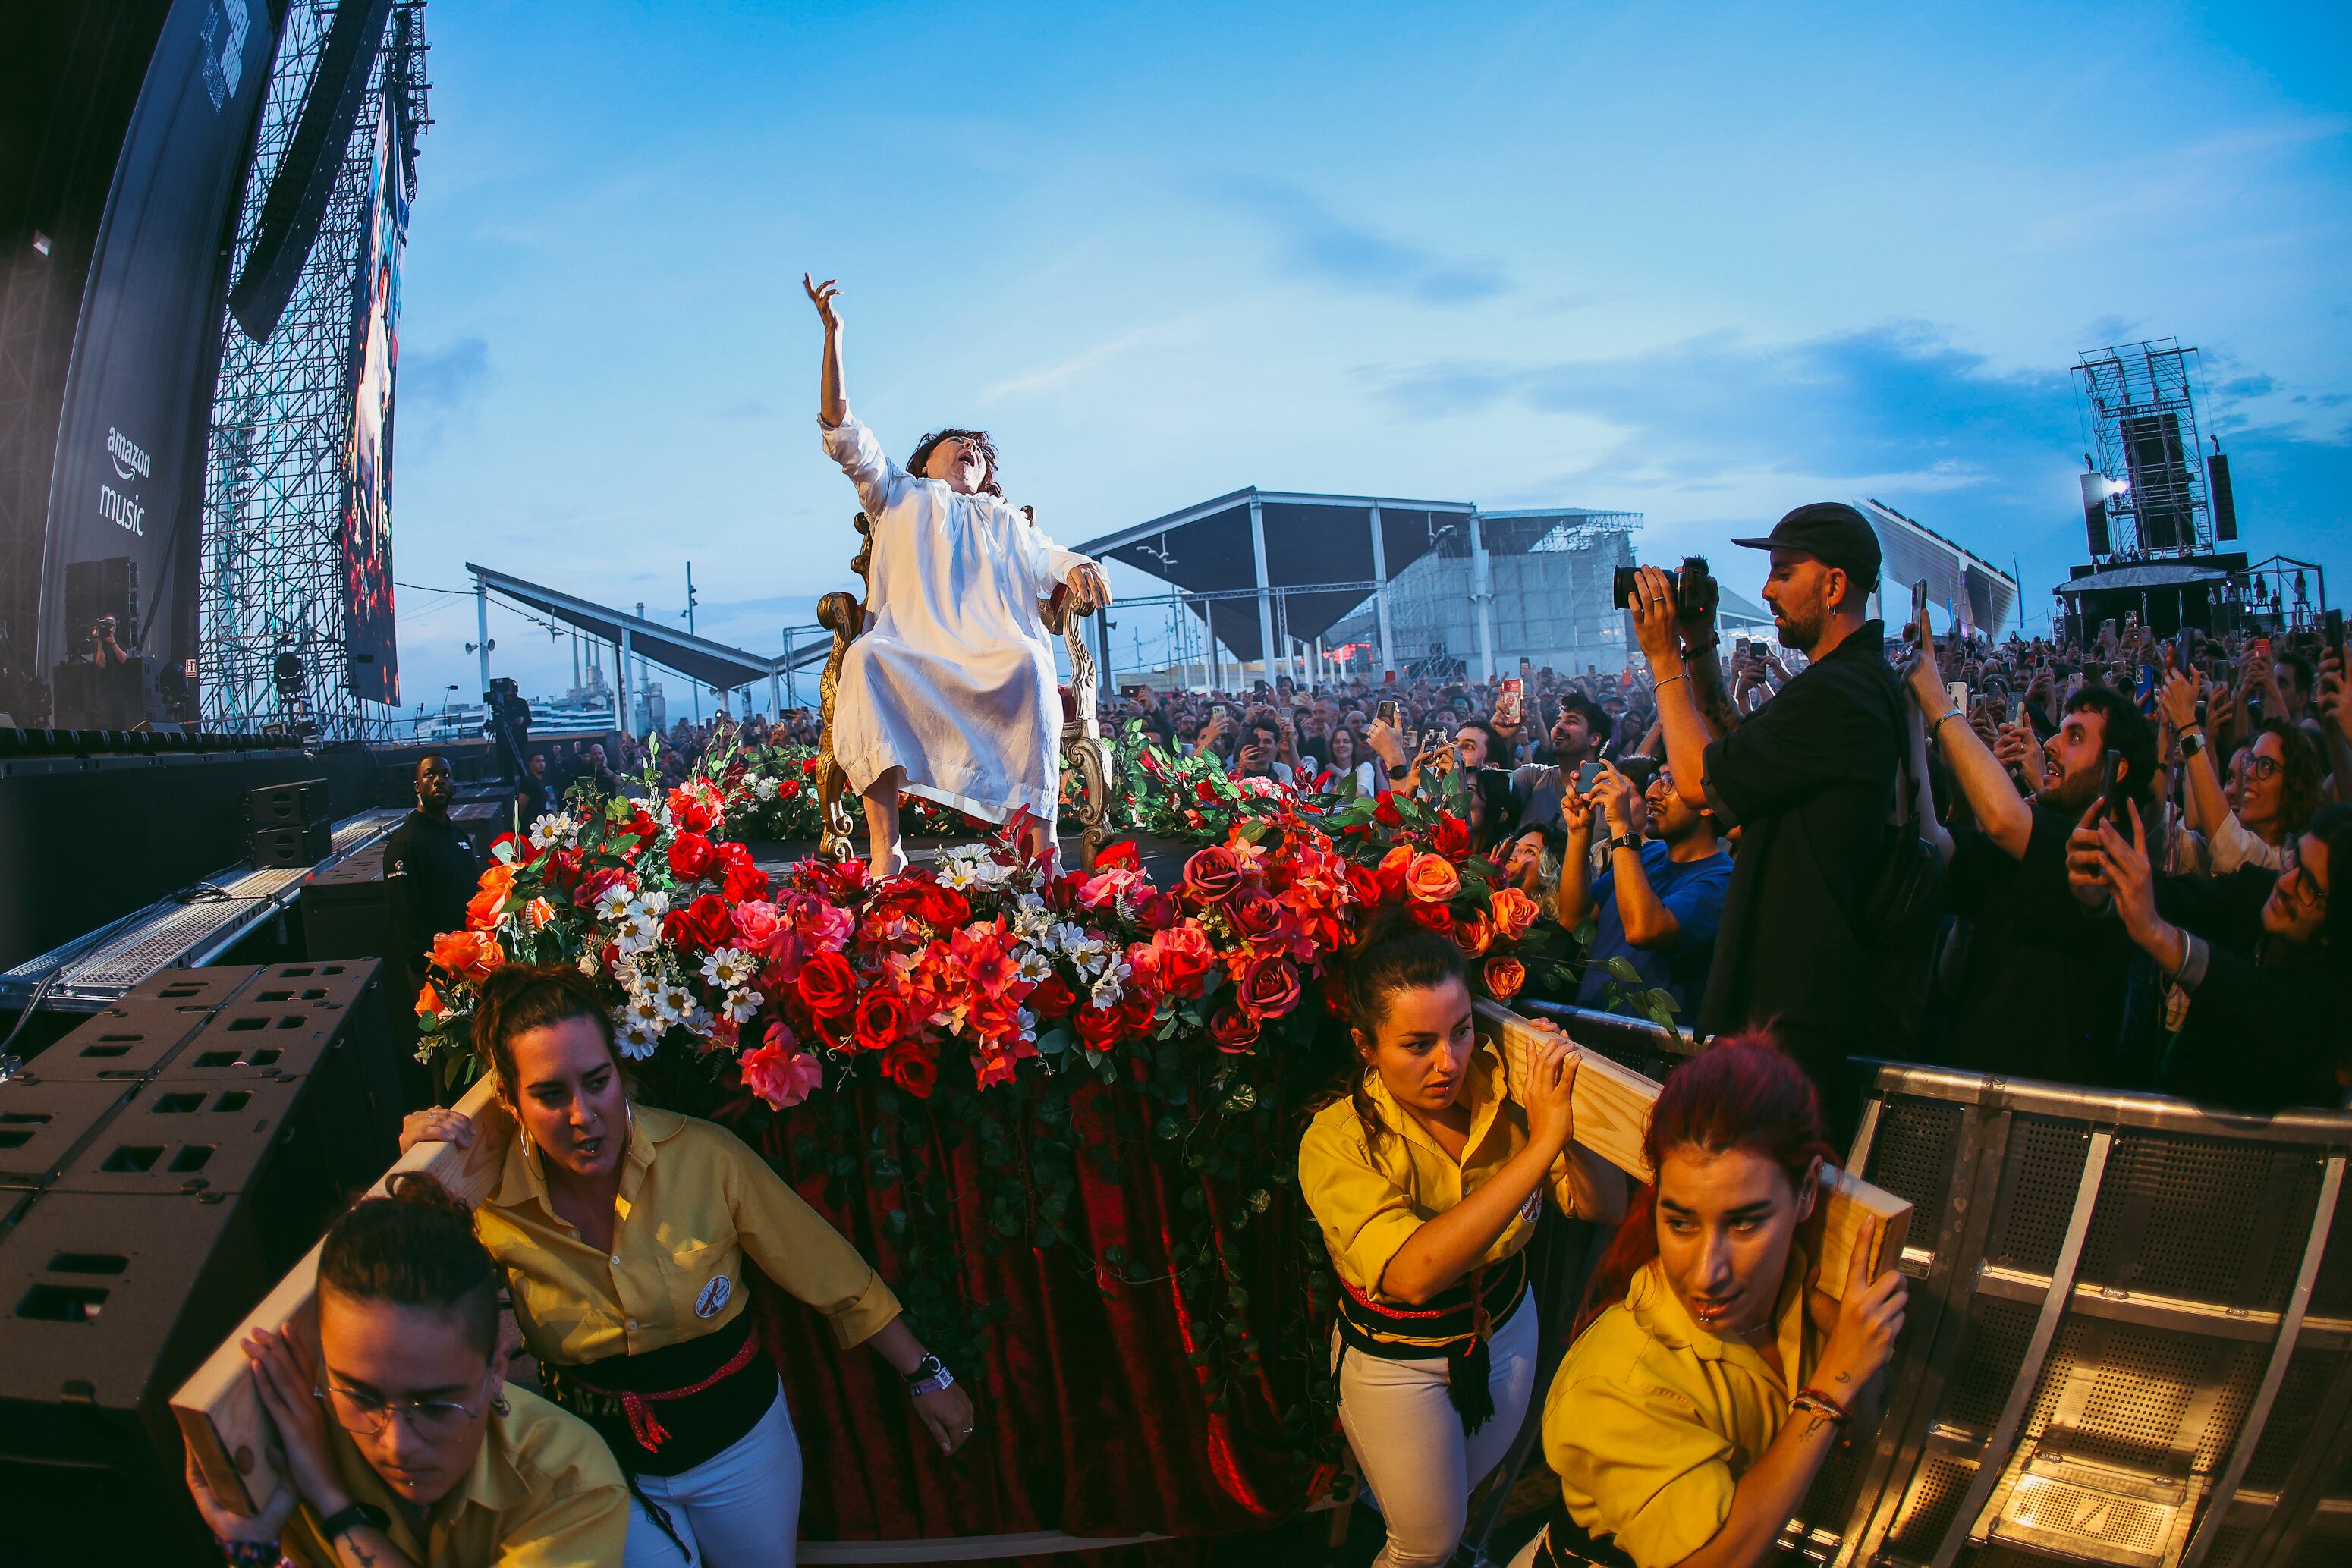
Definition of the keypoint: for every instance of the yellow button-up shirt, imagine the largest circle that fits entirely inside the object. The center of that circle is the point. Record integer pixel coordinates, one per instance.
(544, 1492)
(694, 1202)
(1369, 1199)
(1652, 1420)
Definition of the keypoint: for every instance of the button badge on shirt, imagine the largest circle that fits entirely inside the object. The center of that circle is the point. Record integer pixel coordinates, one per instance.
(1532, 1210)
(714, 1297)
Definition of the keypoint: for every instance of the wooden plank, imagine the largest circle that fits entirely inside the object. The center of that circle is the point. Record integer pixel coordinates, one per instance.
(1612, 1107)
(220, 1415)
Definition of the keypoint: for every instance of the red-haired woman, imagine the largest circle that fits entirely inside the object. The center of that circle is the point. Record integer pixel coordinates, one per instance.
(1427, 1184)
(1704, 1392)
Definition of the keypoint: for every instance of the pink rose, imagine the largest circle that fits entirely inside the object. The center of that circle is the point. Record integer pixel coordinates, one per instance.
(1432, 879)
(778, 1072)
(756, 923)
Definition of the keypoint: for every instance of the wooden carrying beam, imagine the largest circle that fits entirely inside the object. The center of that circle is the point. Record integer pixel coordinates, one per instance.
(220, 1415)
(1613, 1112)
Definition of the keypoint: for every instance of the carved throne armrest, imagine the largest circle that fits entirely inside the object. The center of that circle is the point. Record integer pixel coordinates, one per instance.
(843, 615)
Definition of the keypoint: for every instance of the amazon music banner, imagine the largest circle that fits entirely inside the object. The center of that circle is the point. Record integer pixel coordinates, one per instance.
(367, 452)
(118, 209)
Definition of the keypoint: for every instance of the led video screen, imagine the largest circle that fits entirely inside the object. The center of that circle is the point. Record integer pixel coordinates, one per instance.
(367, 452)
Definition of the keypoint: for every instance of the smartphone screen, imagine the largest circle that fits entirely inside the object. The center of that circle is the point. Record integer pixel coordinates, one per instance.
(1508, 702)
(1387, 712)
(1919, 604)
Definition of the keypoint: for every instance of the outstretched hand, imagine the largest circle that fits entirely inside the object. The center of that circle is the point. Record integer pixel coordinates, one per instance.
(821, 295)
(1089, 589)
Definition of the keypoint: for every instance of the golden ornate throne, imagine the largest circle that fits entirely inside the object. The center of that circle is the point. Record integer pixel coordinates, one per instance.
(1082, 748)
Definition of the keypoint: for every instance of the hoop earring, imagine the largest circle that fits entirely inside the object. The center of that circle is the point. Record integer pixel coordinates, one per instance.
(501, 1406)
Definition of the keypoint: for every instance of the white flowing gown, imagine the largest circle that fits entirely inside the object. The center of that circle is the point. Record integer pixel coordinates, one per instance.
(953, 677)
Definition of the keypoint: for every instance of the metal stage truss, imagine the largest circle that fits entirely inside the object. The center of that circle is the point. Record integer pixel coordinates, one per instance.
(271, 580)
(2142, 419)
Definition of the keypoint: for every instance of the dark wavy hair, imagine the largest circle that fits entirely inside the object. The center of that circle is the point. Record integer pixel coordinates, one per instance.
(2302, 770)
(980, 438)
(1741, 1092)
(519, 997)
(414, 1249)
(2128, 730)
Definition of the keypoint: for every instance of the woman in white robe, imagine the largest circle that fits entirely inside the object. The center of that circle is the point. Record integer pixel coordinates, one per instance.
(949, 693)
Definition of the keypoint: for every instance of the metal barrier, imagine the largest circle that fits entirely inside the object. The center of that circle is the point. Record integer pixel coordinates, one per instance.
(1649, 1049)
(2130, 1333)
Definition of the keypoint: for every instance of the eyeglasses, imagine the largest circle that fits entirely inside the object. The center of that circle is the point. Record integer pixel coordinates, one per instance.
(368, 1414)
(2301, 887)
(2263, 768)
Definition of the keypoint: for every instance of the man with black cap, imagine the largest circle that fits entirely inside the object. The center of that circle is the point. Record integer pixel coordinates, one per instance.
(1809, 779)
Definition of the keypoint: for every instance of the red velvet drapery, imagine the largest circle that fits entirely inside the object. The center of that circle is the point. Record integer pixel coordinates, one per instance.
(1092, 1419)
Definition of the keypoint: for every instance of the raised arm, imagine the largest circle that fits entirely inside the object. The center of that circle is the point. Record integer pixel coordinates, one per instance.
(832, 400)
(1686, 734)
(1991, 794)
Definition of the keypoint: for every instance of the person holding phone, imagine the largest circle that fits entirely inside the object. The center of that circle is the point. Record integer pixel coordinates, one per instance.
(1658, 902)
(2031, 986)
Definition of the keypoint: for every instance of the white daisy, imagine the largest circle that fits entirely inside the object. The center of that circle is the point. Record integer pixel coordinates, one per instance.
(674, 999)
(729, 968)
(612, 904)
(740, 1005)
(1032, 965)
(555, 828)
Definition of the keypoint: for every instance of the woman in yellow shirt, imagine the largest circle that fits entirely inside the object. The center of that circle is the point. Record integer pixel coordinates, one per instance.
(1691, 1415)
(1427, 1184)
(402, 1445)
(622, 1232)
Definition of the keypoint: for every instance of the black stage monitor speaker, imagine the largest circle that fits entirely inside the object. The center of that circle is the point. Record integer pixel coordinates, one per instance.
(43, 1125)
(2095, 513)
(2225, 501)
(295, 805)
(293, 846)
(107, 1302)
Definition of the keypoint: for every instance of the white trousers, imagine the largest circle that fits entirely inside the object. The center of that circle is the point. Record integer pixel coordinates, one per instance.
(1419, 1468)
(739, 1509)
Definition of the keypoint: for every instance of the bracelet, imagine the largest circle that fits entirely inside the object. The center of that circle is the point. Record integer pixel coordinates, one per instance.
(251, 1553)
(1659, 686)
(930, 1375)
(1938, 725)
(1821, 1405)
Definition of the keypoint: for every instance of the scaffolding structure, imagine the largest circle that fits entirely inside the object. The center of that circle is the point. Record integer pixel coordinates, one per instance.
(273, 648)
(2141, 419)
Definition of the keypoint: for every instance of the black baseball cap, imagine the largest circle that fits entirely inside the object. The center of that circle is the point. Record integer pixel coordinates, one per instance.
(1831, 532)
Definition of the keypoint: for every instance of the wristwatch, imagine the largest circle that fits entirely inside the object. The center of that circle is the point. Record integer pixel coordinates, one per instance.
(333, 1527)
(1623, 841)
(2192, 743)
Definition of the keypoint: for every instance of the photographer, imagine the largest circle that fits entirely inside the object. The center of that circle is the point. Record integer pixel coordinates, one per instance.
(2035, 986)
(1660, 901)
(2261, 958)
(1809, 779)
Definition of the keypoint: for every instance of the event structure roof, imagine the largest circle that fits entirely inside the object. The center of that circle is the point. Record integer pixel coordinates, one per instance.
(715, 664)
(1972, 589)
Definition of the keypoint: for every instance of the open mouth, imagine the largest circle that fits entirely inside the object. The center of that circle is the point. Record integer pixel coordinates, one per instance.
(1713, 1314)
(589, 1148)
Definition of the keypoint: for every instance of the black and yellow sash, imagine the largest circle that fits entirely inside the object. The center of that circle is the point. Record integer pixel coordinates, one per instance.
(1457, 1324)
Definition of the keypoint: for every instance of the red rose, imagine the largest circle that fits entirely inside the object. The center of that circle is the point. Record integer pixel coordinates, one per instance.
(1181, 956)
(1452, 838)
(787, 788)
(711, 921)
(1122, 853)
(1233, 1029)
(1436, 916)
(1365, 885)
(881, 1021)
(1384, 810)
(943, 907)
(690, 813)
(911, 1066)
(564, 870)
(1136, 1011)
(1155, 911)
(1254, 912)
(745, 882)
(827, 984)
(689, 856)
(1212, 874)
(598, 884)
(1505, 976)
(1099, 1027)
(1052, 998)
(1394, 867)
(1269, 987)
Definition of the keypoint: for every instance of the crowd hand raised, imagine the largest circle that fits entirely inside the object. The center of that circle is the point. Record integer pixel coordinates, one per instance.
(1654, 617)
(2086, 869)
(821, 295)
(1386, 744)
(2130, 877)
(2016, 747)
(947, 1414)
(1924, 677)
(286, 1379)
(435, 1124)
(1614, 794)
(2178, 699)
(1867, 1321)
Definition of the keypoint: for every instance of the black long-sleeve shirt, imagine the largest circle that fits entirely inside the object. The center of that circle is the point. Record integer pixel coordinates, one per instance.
(2269, 1022)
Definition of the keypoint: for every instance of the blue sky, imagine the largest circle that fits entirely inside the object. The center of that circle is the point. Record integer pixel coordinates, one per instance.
(1700, 263)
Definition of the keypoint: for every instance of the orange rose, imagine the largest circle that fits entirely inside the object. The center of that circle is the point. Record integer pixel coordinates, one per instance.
(428, 1002)
(1473, 934)
(499, 877)
(538, 911)
(468, 955)
(1432, 879)
(1505, 976)
(485, 909)
(1512, 912)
